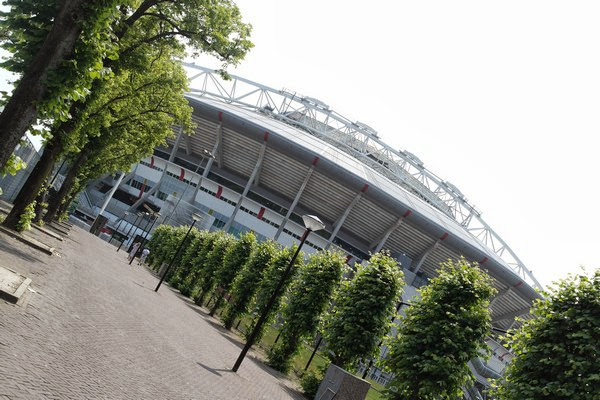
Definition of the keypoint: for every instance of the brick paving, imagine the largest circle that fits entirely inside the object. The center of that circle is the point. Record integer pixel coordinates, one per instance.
(95, 329)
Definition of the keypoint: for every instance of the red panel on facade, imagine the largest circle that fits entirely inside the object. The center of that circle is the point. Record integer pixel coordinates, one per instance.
(151, 161)
(142, 190)
(266, 136)
(444, 236)
(406, 214)
(182, 174)
(261, 213)
(219, 192)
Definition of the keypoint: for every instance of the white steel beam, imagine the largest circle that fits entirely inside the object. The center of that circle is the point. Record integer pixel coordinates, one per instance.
(296, 199)
(511, 314)
(210, 161)
(378, 244)
(423, 257)
(342, 219)
(261, 156)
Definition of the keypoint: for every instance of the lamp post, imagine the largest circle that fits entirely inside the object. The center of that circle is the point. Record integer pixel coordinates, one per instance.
(145, 238)
(196, 218)
(118, 226)
(130, 228)
(312, 223)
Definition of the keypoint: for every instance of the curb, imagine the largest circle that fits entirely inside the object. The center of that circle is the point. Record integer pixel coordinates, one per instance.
(28, 241)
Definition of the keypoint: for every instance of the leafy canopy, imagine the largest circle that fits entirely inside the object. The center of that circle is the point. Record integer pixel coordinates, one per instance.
(445, 329)
(556, 353)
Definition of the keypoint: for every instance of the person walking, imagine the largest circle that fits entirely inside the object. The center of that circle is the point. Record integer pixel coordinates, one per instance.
(133, 251)
(145, 253)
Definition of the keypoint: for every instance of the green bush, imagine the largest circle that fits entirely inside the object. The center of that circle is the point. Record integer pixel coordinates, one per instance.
(445, 329)
(246, 283)
(212, 263)
(235, 258)
(189, 283)
(310, 383)
(556, 354)
(309, 295)
(272, 276)
(361, 316)
(189, 252)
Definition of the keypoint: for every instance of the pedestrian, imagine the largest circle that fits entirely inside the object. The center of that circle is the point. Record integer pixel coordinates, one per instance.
(133, 251)
(145, 253)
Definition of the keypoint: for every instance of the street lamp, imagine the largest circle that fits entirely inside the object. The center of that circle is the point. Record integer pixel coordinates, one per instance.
(145, 238)
(312, 223)
(196, 218)
(118, 226)
(130, 228)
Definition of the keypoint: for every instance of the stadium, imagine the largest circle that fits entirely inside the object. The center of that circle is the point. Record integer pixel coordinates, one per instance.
(260, 158)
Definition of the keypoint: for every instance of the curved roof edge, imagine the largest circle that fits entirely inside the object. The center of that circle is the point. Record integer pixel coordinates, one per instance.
(253, 126)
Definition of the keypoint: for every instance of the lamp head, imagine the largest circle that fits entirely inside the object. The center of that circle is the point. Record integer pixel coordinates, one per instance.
(312, 222)
(196, 217)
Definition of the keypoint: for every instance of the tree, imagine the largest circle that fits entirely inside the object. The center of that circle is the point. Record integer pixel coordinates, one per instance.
(189, 252)
(309, 297)
(58, 48)
(213, 27)
(133, 114)
(156, 245)
(445, 329)
(235, 258)
(246, 283)
(212, 263)
(363, 307)
(191, 281)
(556, 353)
(268, 284)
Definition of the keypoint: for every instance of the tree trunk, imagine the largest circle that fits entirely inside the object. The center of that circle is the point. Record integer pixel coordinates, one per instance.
(39, 204)
(65, 204)
(34, 181)
(21, 110)
(55, 202)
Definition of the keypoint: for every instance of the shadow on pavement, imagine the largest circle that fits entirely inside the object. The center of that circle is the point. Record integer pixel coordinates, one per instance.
(8, 248)
(215, 371)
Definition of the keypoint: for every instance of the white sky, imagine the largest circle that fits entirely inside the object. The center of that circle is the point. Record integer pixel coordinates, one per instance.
(499, 98)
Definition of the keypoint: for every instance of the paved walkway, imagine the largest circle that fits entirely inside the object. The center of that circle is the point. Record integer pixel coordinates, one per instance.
(95, 329)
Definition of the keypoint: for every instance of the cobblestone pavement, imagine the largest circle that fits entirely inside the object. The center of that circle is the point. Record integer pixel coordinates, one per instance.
(95, 329)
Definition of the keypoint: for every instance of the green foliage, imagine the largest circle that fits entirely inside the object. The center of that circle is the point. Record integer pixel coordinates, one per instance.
(556, 353)
(12, 166)
(445, 329)
(235, 257)
(26, 218)
(309, 296)
(25, 27)
(212, 263)
(268, 284)
(190, 281)
(310, 383)
(246, 283)
(363, 308)
(189, 252)
(156, 245)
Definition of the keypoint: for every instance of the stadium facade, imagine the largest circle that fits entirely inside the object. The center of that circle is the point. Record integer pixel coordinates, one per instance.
(260, 158)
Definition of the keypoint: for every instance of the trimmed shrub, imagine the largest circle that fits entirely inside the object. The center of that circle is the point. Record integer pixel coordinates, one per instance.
(310, 295)
(246, 283)
(235, 258)
(363, 308)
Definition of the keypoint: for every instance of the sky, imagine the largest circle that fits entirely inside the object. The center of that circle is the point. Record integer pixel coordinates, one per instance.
(499, 98)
